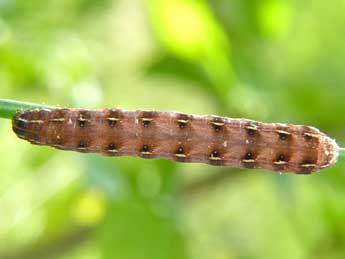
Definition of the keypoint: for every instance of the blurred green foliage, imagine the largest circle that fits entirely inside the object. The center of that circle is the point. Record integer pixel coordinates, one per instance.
(269, 60)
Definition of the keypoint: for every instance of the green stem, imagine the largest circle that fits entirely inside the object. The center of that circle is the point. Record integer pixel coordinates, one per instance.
(342, 152)
(8, 108)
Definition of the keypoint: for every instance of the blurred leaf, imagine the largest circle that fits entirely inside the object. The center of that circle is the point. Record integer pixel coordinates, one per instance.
(188, 30)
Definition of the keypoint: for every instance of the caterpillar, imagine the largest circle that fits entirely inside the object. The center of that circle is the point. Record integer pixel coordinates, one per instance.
(209, 139)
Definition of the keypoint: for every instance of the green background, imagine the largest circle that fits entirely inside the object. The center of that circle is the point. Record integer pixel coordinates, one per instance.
(268, 60)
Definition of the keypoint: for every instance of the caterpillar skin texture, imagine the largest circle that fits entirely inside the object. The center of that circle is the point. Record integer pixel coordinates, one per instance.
(180, 137)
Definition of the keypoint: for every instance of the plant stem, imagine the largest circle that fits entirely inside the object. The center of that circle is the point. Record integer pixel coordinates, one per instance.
(8, 108)
(342, 152)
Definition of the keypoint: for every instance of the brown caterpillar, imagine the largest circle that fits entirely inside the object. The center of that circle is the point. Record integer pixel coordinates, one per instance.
(181, 137)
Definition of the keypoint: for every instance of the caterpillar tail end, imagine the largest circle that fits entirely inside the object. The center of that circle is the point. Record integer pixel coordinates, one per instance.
(329, 154)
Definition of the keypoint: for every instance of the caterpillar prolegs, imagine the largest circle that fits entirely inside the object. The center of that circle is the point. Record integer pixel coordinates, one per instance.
(181, 137)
